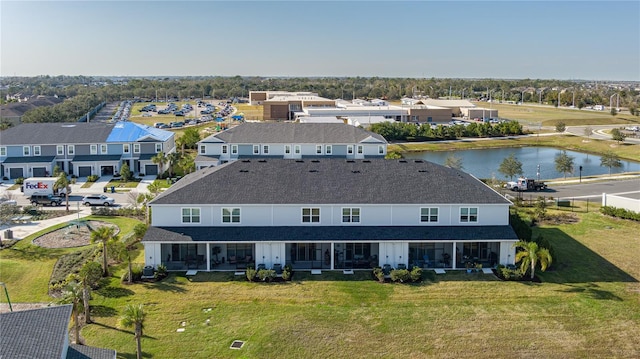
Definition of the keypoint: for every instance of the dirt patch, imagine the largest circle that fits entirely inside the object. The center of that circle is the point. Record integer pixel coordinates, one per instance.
(561, 218)
(71, 236)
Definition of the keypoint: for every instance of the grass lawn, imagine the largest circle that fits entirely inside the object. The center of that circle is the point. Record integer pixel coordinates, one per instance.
(569, 142)
(588, 305)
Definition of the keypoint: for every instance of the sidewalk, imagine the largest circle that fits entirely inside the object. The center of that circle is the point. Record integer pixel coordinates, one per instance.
(574, 180)
(20, 231)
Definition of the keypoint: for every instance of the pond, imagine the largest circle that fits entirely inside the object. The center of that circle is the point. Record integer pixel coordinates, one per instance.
(484, 163)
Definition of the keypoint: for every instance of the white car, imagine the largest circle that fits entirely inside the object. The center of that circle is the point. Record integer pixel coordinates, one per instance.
(98, 200)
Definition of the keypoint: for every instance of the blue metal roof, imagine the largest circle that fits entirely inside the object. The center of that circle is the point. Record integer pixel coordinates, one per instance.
(125, 131)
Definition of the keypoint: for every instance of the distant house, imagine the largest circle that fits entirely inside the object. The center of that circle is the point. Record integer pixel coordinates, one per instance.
(81, 149)
(289, 140)
(43, 334)
(328, 213)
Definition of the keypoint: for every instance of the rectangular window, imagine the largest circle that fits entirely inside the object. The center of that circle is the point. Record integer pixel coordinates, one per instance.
(3, 151)
(287, 149)
(60, 150)
(158, 147)
(103, 149)
(191, 215)
(311, 215)
(318, 149)
(256, 149)
(231, 215)
(297, 149)
(71, 149)
(468, 214)
(93, 149)
(381, 150)
(203, 149)
(36, 150)
(349, 150)
(136, 148)
(350, 215)
(428, 214)
(26, 150)
(360, 149)
(234, 149)
(224, 149)
(126, 148)
(328, 149)
(265, 149)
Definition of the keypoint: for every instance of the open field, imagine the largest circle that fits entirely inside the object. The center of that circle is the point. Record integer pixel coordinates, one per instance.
(569, 142)
(588, 305)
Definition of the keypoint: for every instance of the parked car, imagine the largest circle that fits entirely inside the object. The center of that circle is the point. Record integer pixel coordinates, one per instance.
(45, 199)
(98, 200)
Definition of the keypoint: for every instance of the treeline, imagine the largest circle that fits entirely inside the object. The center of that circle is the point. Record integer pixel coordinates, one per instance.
(393, 131)
(70, 110)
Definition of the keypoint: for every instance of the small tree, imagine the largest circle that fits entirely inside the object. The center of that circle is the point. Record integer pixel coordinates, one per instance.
(160, 159)
(530, 254)
(103, 235)
(541, 208)
(618, 135)
(56, 171)
(63, 182)
(454, 161)
(564, 163)
(613, 111)
(133, 316)
(73, 295)
(610, 159)
(561, 127)
(89, 275)
(510, 166)
(125, 172)
(588, 131)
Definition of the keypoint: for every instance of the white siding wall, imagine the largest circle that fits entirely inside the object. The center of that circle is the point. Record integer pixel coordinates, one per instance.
(270, 253)
(330, 215)
(151, 254)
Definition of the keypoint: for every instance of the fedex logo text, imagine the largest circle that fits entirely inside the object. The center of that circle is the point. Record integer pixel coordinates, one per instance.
(38, 185)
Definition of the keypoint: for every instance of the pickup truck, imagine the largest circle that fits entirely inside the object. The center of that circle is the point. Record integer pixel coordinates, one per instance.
(526, 184)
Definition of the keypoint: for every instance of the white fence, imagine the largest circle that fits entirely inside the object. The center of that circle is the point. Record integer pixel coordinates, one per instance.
(621, 202)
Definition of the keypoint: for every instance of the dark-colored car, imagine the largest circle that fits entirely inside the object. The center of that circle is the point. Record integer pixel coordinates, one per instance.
(45, 199)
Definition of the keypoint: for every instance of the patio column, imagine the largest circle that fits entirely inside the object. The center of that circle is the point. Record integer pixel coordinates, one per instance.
(332, 253)
(208, 257)
(455, 254)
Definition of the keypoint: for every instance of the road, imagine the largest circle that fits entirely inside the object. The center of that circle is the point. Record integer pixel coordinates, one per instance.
(594, 190)
(598, 132)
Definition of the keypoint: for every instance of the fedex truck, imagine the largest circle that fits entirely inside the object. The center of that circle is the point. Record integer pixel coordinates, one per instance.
(41, 185)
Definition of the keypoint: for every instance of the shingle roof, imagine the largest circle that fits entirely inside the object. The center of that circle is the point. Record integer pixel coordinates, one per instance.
(29, 159)
(35, 333)
(92, 158)
(329, 181)
(286, 132)
(86, 352)
(56, 133)
(328, 233)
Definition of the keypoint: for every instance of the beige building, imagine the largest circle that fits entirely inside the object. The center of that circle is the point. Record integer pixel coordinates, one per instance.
(259, 97)
(284, 107)
(479, 113)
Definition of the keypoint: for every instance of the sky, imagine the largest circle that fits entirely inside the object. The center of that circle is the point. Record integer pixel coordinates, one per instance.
(590, 40)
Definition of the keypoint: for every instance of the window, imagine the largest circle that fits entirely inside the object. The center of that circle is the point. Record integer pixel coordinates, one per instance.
(318, 149)
(158, 147)
(136, 148)
(94, 149)
(468, 214)
(234, 149)
(103, 149)
(191, 215)
(3, 151)
(59, 150)
(381, 150)
(203, 149)
(350, 215)
(311, 215)
(360, 149)
(71, 149)
(126, 148)
(297, 149)
(287, 149)
(327, 149)
(231, 215)
(256, 149)
(350, 150)
(26, 150)
(428, 214)
(265, 149)
(36, 150)
(224, 149)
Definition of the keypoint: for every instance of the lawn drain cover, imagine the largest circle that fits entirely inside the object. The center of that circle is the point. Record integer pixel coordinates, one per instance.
(237, 344)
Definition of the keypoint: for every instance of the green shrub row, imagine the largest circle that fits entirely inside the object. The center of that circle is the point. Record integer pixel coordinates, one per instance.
(410, 132)
(399, 275)
(137, 213)
(70, 263)
(268, 275)
(620, 213)
(92, 178)
(509, 273)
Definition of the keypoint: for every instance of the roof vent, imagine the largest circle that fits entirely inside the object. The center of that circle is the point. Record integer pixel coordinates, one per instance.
(418, 161)
(366, 161)
(262, 161)
(422, 171)
(313, 171)
(356, 171)
(315, 161)
(402, 161)
(300, 161)
(351, 161)
(246, 161)
(244, 171)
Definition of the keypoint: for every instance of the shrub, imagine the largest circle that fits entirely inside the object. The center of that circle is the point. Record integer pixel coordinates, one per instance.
(400, 275)
(19, 180)
(120, 211)
(287, 272)
(509, 274)
(251, 274)
(266, 275)
(379, 274)
(416, 274)
(92, 178)
(620, 213)
(161, 272)
(70, 264)
(136, 273)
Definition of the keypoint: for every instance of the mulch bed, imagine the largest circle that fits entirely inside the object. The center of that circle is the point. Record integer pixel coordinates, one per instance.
(72, 235)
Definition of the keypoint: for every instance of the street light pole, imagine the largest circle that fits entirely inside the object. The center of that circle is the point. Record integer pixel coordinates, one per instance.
(7, 294)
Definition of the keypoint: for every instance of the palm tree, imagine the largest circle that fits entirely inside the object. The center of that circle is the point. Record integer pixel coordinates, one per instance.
(529, 256)
(104, 235)
(63, 182)
(73, 295)
(89, 275)
(160, 159)
(133, 316)
(173, 159)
